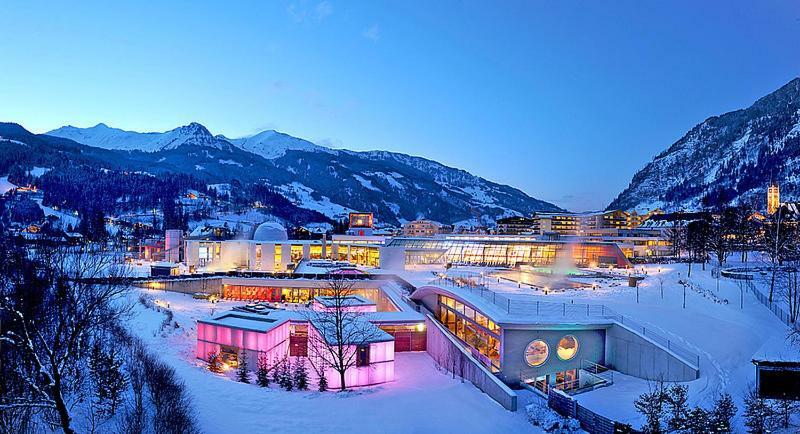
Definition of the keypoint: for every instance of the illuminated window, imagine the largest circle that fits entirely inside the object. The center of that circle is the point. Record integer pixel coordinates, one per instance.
(567, 347)
(536, 353)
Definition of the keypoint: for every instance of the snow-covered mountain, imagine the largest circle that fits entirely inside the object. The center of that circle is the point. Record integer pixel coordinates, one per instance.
(726, 160)
(396, 187)
(103, 136)
(272, 144)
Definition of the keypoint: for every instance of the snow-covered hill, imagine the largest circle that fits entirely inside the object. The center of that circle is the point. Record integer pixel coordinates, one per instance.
(727, 159)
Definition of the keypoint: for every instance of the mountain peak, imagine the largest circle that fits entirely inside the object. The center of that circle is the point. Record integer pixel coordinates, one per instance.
(272, 144)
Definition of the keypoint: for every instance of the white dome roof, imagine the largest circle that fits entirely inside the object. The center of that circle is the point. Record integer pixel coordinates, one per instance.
(270, 231)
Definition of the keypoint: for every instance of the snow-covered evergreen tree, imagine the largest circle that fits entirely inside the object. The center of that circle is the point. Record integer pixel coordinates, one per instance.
(697, 422)
(651, 406)
(242, 374)
(277, 371)
(322, 384)
(262, 373)
(108, 379)
(758, 413)
(300, 375)
(721, 415)
(286, 375)
(677, 396)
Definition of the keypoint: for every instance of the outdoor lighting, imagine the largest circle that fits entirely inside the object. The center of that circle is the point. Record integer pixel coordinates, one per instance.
(421, 327)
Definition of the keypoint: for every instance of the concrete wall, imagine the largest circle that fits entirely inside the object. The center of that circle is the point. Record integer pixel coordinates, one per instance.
(630, 353)
(444, 349)
(393, 258)
(591, 347)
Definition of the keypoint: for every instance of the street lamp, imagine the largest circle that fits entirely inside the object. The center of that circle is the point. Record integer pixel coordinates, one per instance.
(684, 295)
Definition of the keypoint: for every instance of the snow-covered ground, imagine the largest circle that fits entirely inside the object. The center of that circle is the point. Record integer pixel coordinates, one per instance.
(64, 218)
(5, 185)
(422, 399)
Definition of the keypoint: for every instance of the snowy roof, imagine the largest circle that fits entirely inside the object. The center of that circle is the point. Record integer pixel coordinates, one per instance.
(259, 322)
(349, 300)
(778, 349)
(356, 330)
(270, 231)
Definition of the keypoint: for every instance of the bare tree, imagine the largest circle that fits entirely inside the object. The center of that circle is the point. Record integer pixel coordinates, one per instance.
(50, 329)
(677, 237)
(338, 332)
(719, 237)
(777, 241)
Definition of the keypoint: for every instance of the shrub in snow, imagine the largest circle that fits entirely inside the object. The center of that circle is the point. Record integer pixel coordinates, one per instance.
(214, 362)
(539, 414)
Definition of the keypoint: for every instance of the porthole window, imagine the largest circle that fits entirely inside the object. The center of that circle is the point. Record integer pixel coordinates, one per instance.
(536, 353)
(567, 347)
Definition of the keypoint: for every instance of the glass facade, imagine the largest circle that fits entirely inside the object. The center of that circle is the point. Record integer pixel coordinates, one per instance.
(473, 328)
(508, 253)
(277, 294)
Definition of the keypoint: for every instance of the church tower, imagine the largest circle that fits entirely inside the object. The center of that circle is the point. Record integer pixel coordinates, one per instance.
(773, 198)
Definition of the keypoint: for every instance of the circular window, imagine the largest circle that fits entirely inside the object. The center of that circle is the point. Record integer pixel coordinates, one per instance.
(567, 347)
(536, 353)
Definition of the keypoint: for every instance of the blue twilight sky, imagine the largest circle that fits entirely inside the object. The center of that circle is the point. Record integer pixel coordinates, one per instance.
(564, 100)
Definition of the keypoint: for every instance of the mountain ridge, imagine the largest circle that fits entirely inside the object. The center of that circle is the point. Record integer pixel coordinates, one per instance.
(397, 187)
(727, 159)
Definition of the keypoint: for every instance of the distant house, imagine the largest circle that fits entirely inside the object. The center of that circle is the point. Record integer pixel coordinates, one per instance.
(424, 228)
(361, 224)
(73, 238)
(517, 225)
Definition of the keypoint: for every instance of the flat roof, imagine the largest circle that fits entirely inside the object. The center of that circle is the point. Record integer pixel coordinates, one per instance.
(356, 330)
(258, 322)
(348, 300)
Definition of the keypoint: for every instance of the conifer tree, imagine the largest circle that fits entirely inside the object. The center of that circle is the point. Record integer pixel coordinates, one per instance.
(277, 370)
(697, 421)
(241, 371)
(758, 413)
(286, 375)
(721, 415)
(651, 406)
(109, 380)
(678, 409)
(262, 373)
(322, 385)
(300, 375)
